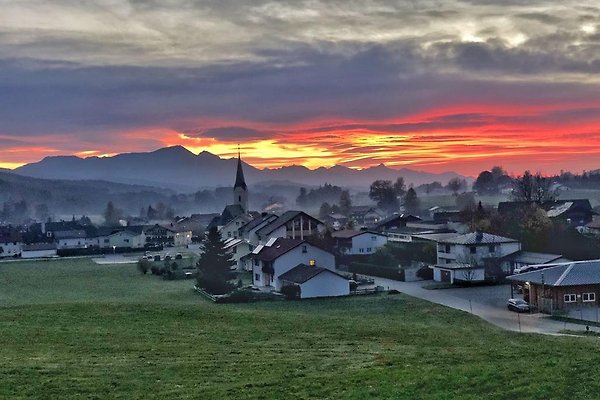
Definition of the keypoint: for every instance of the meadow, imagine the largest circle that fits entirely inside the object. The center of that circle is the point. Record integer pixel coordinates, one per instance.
(74, 329)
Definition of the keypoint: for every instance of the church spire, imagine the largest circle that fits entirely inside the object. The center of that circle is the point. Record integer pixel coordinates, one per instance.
(239, 177)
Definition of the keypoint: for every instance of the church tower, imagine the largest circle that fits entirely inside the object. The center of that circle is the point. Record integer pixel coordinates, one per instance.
(240, 189)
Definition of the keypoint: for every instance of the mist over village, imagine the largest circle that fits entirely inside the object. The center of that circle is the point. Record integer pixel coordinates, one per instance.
(313, 200)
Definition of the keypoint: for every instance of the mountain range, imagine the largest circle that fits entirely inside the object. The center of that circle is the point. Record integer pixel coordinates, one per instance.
(179, 169)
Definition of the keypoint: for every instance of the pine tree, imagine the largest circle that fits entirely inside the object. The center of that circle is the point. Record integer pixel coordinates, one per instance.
(214, 265)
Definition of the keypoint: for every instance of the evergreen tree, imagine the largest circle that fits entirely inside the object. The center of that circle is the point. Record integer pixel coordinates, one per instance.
(411, 201)
(112, 215)
(345, 203)
(214, 265)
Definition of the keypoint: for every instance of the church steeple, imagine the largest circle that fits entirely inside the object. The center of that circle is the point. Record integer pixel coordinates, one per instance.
(240, 189)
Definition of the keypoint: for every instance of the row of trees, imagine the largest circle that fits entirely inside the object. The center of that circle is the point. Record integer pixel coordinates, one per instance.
(389, 195)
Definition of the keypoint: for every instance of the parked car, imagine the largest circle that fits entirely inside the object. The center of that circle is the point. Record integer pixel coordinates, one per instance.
(167, 257)
(157, 257)
(518, 305)
(178, 256)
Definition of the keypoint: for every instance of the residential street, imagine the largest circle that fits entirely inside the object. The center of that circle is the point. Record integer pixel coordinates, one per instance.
(485, 302)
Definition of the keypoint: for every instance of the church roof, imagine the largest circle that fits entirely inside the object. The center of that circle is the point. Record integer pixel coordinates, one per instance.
(239, 177)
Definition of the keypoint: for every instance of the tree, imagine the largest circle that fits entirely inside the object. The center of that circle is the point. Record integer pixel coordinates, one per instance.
(301, 199)
(485, 183)
(214, 265)
(533, 188)
(384, 194)
(411, 201)
(466, 201)
(497, 173)
(324, 210)
(399, 186)
(456, 184)
(345, 203)
(112, 215)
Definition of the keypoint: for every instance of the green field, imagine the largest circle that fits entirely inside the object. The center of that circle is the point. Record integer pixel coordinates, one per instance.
(72, 329)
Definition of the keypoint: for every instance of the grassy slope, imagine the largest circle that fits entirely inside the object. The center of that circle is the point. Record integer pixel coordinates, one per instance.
(106, 332)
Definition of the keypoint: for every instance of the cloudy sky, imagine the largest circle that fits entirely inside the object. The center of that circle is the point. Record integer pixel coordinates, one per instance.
(431, 85)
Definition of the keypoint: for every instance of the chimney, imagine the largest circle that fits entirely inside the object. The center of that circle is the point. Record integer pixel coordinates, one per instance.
(43, 227)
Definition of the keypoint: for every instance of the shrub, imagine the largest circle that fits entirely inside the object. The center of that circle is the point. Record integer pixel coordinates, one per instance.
(143, 266)
(154, 270)
(291, 292)
(237, 296)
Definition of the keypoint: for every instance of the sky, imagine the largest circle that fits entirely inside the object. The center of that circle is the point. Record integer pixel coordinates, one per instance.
(429, 85)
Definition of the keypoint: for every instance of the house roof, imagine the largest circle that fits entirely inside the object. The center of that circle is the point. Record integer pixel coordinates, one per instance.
(455, 266)
(302, 273)
(436, 237)
(564, 274)
(350, 233)
(71, 234)
(278, 248)
(282, 220)
(529, 257)
(476, 238)
(257, 221)
(557, 207)
(10, 237)
(39, 246)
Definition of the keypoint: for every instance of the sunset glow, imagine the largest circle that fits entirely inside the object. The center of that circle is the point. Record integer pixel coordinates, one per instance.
(456, 86)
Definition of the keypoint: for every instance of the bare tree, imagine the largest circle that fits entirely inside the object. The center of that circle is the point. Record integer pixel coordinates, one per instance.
(533, 188)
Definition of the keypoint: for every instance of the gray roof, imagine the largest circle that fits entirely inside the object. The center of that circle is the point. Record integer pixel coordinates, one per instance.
(566, 274)
(529, 257)
(71, 234)
(284, 219)
(455, 266)
(477, 238)
(303, 273)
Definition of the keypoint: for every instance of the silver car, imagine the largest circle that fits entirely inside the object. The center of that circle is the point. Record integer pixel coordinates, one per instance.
(518, 305)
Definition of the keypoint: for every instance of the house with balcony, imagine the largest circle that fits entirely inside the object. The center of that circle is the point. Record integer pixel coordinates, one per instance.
(293, 225)
(464, 257)
(240, 249)
(280, 255)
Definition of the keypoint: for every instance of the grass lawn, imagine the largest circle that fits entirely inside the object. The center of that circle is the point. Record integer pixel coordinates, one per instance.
(73, 329)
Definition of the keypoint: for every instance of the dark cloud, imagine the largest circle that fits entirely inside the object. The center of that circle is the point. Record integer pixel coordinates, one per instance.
(230, 133)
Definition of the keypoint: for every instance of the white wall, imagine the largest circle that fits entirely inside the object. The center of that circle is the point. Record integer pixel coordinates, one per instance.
(11, 249)
(295, 256)
(368, 242)
(474, 275)
(38, 253)
(462, 253)
(325, 285)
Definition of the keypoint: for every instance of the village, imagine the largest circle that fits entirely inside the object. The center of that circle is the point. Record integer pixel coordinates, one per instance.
(295, 255)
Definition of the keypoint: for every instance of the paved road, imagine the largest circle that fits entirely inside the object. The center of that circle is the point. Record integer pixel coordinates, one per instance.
(486, 308)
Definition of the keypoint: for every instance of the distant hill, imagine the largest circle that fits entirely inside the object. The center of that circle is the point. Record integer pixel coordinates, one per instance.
(78, 197)
(179, 169)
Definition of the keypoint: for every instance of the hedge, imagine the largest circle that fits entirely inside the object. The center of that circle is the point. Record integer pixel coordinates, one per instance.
(394, 273)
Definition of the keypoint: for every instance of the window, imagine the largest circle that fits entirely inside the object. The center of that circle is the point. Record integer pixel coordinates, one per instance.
(256, 262)
(240, 199)
(492, 248)
(473, 249)
(448, 261)
(368, 249)
(304, 249)
(570, 298)
(228, 234)
(589, 297)
(312, 263)
(361, 250)
(106, 240)
(126, 240)
(374, 238)
(447, 248)
(257, 277)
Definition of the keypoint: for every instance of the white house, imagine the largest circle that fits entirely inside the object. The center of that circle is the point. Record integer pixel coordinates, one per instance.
(231, 229)
(11, 245)
(240, 249)
(249, 230)
(473, 248)
(316, 281)
(279, 255)
(291, 224)
(73, 239)
(462, 257)
(123, 239)
(39, 250)
(354, 242)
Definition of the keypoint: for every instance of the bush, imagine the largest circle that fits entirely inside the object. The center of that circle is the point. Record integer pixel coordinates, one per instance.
(237, 296)
(155, 270)
(143, 266)
(291, 292)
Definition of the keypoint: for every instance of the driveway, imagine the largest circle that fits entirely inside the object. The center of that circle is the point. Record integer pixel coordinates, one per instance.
(487, 302)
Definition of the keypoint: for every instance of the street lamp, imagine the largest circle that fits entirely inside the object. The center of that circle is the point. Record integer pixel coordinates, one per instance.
(114, 253)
